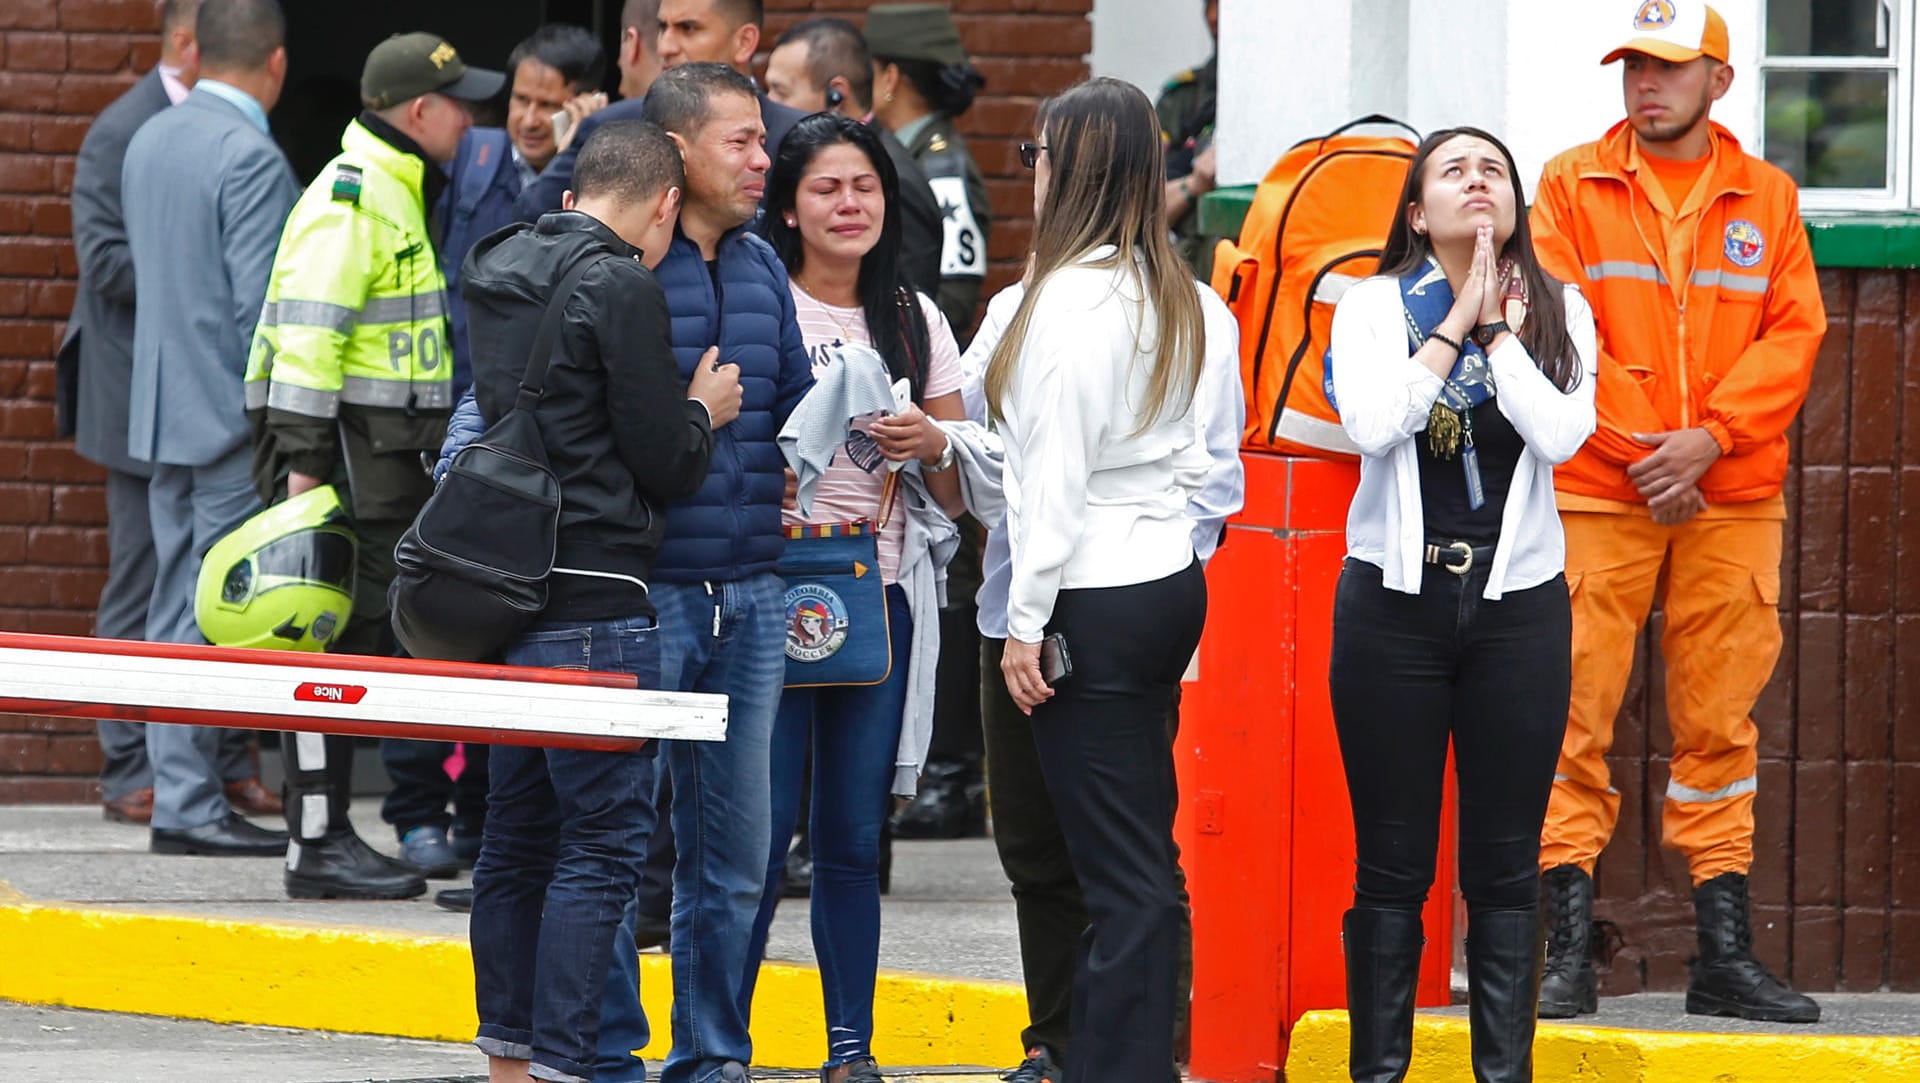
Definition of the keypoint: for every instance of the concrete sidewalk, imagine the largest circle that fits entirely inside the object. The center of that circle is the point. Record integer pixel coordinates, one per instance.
(90, 919)
(949, 912)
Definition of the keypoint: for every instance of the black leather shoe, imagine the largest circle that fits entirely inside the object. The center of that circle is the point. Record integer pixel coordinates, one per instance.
(652, 932)
(939, 809)
(232, 836)
(345, 867)
(1570, 986)
(457, 899)
(1726, 979)
(798, 883)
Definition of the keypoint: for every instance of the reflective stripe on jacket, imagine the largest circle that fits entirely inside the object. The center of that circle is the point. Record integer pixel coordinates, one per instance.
(1728, 348)
(356, 312)
(350, 376)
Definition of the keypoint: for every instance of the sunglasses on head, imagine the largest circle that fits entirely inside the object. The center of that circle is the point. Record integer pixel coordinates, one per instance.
(1030, 154)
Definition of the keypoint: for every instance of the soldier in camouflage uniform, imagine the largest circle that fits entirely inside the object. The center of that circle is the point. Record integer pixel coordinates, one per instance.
(1186, 109)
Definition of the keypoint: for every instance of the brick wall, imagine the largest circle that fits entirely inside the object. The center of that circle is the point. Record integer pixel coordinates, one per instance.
(1836, 877)
(60, 63)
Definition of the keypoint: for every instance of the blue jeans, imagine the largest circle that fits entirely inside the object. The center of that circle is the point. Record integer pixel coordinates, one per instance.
(855, 733)
(623, 1026)
(566, 832)
(729, 638)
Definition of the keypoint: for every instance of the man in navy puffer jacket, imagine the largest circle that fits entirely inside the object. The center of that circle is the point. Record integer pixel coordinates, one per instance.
(719, 601)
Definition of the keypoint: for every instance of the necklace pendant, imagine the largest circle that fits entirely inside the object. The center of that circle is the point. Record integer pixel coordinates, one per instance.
(1443, 430)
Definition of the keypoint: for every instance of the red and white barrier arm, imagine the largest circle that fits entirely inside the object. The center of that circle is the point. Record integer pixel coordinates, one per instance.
(339, 693)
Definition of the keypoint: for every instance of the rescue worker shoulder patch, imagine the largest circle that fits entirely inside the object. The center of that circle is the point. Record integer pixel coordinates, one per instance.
(347, 181)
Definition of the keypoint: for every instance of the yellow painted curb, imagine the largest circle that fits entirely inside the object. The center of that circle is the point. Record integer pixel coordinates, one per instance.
(1317, 1053)
(375, 981)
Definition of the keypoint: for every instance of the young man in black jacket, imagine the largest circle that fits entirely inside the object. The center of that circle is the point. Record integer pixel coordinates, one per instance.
(566, 831)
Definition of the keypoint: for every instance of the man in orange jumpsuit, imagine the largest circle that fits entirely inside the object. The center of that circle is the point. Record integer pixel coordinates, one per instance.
(1694, 258)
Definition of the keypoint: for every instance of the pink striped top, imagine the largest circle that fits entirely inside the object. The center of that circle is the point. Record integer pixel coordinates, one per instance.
(847, 491)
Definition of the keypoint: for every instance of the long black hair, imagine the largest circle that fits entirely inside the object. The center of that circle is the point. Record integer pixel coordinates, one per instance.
(1545, 332)
(895, 322)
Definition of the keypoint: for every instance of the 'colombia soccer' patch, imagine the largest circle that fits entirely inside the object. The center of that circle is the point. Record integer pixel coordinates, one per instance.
(816, 623)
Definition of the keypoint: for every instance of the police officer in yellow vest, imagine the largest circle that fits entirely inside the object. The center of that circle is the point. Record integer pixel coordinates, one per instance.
(350, 380)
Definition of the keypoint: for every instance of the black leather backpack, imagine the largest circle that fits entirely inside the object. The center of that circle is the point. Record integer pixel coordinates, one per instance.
(472, 569)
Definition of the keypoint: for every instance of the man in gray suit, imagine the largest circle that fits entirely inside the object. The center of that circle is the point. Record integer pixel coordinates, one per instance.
(94, 365)
(206, 192)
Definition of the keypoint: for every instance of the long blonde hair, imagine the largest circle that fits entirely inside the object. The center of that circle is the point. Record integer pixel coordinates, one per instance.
(1108, 187)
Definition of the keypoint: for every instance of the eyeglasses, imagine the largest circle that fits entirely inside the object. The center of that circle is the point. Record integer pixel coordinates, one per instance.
(1030, 154)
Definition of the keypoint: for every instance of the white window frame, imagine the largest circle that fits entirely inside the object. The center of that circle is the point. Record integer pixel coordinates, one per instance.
(1902, 104)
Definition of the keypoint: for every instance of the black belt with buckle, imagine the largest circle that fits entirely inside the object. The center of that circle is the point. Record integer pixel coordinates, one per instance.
(1458, 557)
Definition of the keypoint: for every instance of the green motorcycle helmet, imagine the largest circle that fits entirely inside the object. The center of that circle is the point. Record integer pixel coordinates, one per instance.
(283, 580)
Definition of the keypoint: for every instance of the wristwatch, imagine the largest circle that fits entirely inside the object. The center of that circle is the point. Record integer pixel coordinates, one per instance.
(1484, 334)
(945, 461)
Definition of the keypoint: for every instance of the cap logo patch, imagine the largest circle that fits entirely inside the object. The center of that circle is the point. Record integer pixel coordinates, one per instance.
(1745, 245)
(1654, 15)
(442, 53)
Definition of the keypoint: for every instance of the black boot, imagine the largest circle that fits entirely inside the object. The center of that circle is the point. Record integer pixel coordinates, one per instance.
(1726, 979)
(939, 809)
(1503, 986)
(343, 866)
(1569, 987)
(799, 879)
(1383, 969)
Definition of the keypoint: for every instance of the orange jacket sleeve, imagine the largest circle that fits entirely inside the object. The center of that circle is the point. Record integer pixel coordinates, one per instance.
(1621, 407)
(1757, 398)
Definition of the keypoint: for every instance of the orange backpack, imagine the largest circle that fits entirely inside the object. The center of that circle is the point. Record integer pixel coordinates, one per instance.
(1317, 225)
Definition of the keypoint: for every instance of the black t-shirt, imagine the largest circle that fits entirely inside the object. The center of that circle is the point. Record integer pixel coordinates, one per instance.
(1443, 482)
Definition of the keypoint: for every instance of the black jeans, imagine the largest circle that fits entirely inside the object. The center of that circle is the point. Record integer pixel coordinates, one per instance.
(1411, 672)
(1107, 759)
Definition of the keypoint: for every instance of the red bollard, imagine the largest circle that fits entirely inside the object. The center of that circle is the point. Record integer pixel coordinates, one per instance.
(1265, 831)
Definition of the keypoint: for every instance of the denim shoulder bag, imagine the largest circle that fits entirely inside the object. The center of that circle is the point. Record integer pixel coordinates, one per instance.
(835, 607)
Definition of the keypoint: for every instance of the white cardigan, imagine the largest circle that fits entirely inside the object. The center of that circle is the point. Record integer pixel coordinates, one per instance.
(1384, 397)
(1090, 502)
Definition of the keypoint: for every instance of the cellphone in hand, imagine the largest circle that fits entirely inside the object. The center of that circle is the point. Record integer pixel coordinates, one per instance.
(902, 398)
(1056, 663)
(562, 124)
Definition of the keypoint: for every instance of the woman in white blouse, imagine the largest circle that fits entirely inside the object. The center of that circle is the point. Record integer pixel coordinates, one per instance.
(1093, 387)
(1464, 373)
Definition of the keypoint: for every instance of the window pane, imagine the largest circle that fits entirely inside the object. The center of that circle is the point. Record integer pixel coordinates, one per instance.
(1840, 28)
(1829, 128)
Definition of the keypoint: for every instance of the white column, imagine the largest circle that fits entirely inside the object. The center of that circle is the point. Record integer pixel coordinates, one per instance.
(1527, 70)
(1146, 42)
(1291, 69)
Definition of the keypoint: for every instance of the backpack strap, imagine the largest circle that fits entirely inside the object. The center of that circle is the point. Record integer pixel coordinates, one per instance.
(493, 148)
(483, 157)
(540, 358)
